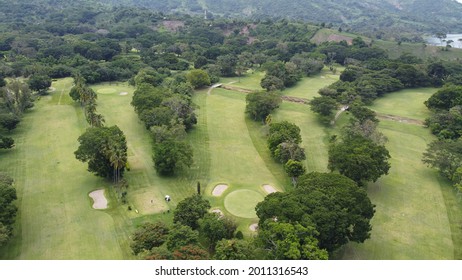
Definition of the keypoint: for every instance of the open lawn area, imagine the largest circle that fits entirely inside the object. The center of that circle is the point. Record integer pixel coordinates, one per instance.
(56, 220)
(314, 137)
(412, 220)
(407, 103)
(234, 159)
(250, 80)
(308, 87)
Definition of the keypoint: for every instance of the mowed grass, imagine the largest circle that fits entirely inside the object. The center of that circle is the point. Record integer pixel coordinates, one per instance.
(308, 87)
(250, 80)
(56, 220)
(314, 136)
(147, 189)
(407, 103)
(411, 219)
(234, 159)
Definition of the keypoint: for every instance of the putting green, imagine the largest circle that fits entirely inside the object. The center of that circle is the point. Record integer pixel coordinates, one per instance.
(241, 203)
(106, 90)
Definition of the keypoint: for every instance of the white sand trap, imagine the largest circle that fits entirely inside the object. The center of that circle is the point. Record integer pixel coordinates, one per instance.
(219, 190)
(51, 89)
(269, 189)
(99, 200)
(218, 211)
(123, 93)
(253, 227)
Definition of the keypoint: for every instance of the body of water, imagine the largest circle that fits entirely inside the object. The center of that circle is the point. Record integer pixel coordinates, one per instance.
(455, 38)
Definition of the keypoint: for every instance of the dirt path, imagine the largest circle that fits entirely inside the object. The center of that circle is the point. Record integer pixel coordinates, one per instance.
(400, 119)
(337, 115)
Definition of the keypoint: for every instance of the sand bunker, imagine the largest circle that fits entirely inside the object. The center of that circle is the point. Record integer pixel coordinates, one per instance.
(218, 211)
(253, 227)
(269, 189)
(123, 93)
(51, 89)
(219, 190)
(99, 200)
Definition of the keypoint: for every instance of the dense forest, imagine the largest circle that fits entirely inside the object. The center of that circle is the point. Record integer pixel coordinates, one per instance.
(167, 57)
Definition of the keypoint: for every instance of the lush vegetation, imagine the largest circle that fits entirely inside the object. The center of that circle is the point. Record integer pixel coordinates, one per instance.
(177, 135)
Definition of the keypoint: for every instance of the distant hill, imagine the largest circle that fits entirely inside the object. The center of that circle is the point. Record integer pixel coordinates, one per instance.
(376, 18)
(401, 20)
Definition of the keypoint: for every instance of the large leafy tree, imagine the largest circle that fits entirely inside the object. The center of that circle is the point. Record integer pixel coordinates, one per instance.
(181, 235)
(105, 150)
(335, 205)
(285, 134)
(234, 249)
(324, 106)
(261, 104)
(286, 241)
(170, 156)
(198, 78)
(149, 236)
(445, 155)
(39, 83)
(445, 98)
(214, 228)
(339, 207)
(359, 158)
(190, 210)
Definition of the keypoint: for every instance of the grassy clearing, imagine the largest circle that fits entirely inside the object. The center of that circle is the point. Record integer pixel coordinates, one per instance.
(407, 103)
(411, 220)
(331, 35)
(56, 220)
(309, 87)
(418, 49)
(251, 80)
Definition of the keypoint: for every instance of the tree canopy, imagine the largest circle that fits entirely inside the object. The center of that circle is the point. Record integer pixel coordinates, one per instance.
(8, 209)
(190, 210)
(105, 150)
(359, 158)
(331, 206)
(261, 104)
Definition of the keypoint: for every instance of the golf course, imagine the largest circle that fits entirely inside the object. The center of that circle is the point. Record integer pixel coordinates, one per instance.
(416, 216)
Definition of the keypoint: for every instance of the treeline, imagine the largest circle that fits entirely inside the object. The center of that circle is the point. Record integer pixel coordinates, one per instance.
(163, 102)
(445, 123)
(103, 148)
(8, 209)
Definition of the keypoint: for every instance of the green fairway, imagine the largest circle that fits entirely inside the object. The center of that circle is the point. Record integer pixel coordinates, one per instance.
(147, 189)
(308, 87)
(411, 220)
(407, 103)
(234, 159)
(314, 137)
(56, 220)
(250, 80)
